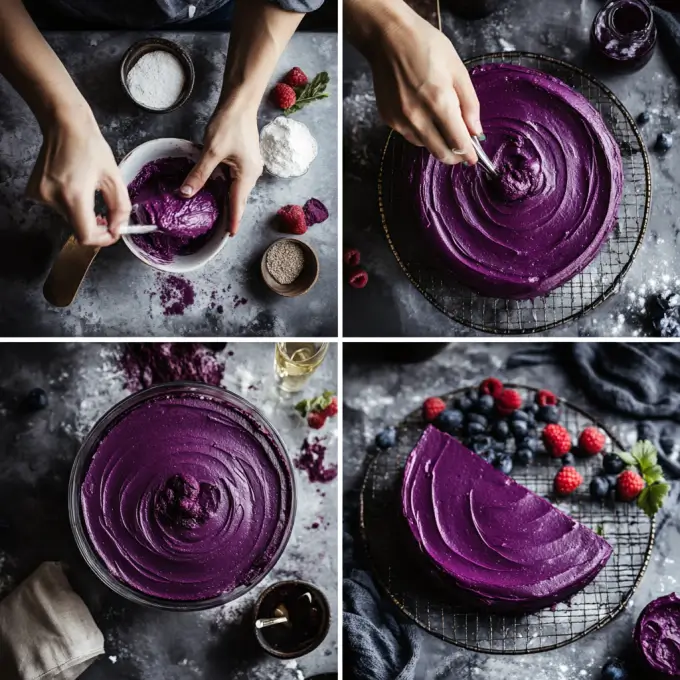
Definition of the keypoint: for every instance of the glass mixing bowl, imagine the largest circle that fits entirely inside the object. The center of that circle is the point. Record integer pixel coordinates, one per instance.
(262, 428)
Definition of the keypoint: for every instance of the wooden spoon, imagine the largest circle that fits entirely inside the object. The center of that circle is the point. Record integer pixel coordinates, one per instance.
(68, 272)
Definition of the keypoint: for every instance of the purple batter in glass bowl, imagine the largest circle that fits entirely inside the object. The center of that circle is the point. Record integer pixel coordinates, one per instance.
(182, 497)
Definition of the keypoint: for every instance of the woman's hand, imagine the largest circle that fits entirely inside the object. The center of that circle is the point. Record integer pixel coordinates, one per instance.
(73, 163)
(422, 88)
(231, 138)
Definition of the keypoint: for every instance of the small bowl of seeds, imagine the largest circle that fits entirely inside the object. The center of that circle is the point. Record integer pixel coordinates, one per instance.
(290, 267)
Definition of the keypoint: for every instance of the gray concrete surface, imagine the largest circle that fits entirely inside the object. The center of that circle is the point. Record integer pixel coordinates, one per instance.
(83, 381)
(379, 394)
(120, 295)
(390, 305)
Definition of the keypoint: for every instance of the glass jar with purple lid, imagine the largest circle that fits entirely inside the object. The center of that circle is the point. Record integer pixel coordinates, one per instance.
(624, 33)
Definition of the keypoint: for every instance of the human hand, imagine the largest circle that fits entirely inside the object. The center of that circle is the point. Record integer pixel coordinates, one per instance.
(231, 138)
(422, 87)
(73, 163)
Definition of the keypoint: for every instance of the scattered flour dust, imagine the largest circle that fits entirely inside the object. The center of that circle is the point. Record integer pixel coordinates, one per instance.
(156, 80)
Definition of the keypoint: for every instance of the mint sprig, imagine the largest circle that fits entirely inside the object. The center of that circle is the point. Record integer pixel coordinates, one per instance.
(314, 90)
(320, 403)
(644, 457)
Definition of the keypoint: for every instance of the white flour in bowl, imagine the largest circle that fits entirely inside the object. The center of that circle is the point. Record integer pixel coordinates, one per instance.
(287, 147)
(156, 80)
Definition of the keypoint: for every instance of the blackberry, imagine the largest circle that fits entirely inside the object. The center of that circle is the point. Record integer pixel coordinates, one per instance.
(612, 464)
(548, 414)
(36, 400)
(449, 420)
(387, 438)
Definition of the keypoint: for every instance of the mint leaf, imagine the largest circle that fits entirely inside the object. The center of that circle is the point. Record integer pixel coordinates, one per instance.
(599, 530)
(653, 474)
(652, 497)
(627, 458)
(314, 90)
(320, 403)
(302, 407)
(645, 454)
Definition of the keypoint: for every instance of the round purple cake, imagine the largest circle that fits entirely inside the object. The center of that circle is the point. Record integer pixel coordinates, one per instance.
(556, 199)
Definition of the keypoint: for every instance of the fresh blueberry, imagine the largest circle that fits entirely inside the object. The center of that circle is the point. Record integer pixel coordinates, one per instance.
(531, 408)
(519, 415)
(532, 432)
(568, 459)
(612, 464)
(524, 456)
(500, 430)
(482, 443)
(464, 403)
(475, 428)
(449, 420)
(519, 428)
(614, 670)
(504, 464)
(477, 418)
(611, 480)
(530, 443)
(599, 488)
(548, 414)
(646, 431)
(386, 438)
(490, 457)
(36, 399)
(664, 142)
(485, 404)
(644, 118)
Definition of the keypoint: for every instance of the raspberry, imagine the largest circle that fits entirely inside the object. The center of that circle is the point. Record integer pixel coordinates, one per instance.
(492, 386)
(352, 257)
(432, 407)
(293, 218)
(546, 398)
(557, 440)
(629, 484)
(332, 408)
(296, 77)
(283, 96)
(591, 441)
(316, 420)
(358, 279)
(567, 480)
(508, 401)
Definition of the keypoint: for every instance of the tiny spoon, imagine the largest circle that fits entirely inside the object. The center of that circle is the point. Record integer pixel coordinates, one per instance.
(265, 623)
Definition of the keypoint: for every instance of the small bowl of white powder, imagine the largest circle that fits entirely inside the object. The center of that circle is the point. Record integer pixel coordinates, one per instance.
(158, 75)
(288, 148)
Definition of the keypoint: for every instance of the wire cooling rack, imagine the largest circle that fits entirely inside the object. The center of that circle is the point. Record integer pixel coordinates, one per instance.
(586, 290)
(402, 571)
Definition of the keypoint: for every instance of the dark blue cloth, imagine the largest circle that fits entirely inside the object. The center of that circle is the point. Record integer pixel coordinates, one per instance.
(379, 643)
(640, 381)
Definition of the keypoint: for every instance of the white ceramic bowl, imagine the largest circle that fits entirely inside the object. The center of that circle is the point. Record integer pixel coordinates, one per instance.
(173, 148)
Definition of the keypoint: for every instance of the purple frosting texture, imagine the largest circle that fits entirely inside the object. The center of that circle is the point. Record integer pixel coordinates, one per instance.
(186, 499)
(184, 224)
(657, 635)
(500, 545)
(557, 198)
(624, 32)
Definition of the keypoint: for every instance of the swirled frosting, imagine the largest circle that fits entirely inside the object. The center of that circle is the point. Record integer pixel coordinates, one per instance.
(547, 216)
(186, 498)
(500, 545)
(657, 635)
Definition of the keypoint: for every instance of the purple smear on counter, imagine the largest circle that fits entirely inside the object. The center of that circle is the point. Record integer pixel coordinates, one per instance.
(311, 460)
(176, 295)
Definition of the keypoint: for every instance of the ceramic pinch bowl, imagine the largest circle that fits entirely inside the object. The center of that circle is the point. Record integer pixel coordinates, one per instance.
(130, 167)
(307, 277)
(139, 49)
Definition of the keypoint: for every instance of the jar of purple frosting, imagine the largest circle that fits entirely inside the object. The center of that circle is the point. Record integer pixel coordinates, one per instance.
(624, 34)
(182, 497)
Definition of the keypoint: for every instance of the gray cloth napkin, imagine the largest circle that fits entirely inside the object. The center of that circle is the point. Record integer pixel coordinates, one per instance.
(46, 631)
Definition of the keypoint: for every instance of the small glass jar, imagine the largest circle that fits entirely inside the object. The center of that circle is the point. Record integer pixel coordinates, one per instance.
(474, 9)
(624, 34)
(88, 448)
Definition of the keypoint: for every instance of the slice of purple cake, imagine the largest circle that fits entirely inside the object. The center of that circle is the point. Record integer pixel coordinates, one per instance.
(503, 546)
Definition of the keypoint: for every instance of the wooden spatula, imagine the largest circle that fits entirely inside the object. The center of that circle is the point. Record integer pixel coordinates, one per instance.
(68, 272)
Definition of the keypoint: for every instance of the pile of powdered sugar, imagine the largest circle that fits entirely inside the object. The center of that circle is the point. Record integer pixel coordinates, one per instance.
(156, 80)
(288, 148)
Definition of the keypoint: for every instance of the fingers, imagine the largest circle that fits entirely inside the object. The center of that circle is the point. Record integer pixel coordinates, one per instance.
(239, 191)
(79, 211)
(197, 178)
(117, 200)
(469, 103)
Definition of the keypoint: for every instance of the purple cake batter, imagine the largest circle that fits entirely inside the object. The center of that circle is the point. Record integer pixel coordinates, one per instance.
(557, 198)
(500, 545)
(184, 224)
(657, 635)
(186, 498)
(624, 33)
